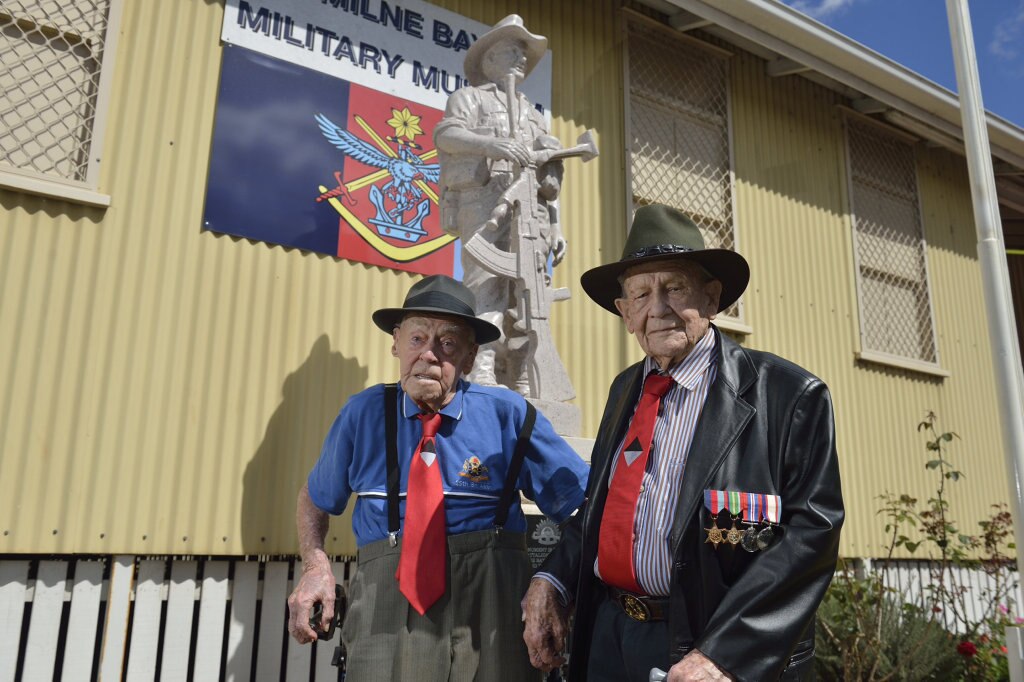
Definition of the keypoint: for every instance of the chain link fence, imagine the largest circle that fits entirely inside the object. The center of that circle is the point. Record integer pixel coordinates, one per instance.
(51, 56)
(895, 308)
(679, 131)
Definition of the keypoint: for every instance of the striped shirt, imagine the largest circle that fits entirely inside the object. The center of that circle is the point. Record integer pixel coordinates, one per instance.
(659, 492)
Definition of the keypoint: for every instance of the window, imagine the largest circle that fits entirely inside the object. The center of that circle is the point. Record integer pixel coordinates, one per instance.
(678, 132)
(57, 60)
(892, 274)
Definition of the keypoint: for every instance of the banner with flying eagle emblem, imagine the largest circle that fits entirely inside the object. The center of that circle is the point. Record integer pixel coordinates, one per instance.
(323, 136)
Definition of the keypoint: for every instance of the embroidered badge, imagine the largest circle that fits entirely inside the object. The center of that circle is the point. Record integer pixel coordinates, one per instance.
(474, 470)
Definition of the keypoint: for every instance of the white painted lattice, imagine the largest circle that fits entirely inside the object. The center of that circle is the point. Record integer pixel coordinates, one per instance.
(51, 59)
(679, 131)
(892, 286)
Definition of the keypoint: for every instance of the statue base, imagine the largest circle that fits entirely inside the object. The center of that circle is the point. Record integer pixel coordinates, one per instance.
(565, 417)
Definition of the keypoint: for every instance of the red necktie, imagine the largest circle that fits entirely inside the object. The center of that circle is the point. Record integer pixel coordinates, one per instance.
(615, 546)
(421, 568)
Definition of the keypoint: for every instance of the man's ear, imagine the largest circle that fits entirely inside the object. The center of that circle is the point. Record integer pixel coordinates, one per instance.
(622, 305)
(394, 342)
(467, 366)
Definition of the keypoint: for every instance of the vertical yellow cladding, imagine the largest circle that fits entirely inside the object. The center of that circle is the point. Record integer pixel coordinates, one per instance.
(164, 389)
(795, 230)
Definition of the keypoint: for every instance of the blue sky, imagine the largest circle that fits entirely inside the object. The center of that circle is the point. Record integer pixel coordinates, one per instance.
(915, 33)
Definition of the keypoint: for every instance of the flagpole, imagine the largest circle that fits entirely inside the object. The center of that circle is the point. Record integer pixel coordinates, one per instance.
(998, 301)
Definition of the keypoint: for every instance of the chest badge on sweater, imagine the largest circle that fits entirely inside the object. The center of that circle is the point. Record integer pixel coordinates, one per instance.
(474, 470)
(759, 512)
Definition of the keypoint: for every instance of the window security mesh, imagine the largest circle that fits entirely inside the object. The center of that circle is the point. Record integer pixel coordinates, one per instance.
(679, 132)
(895, 308)
(50, 54)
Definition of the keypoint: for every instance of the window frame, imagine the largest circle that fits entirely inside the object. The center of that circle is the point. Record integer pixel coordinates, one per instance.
(862, 351)
(735, 324)
(78, 191)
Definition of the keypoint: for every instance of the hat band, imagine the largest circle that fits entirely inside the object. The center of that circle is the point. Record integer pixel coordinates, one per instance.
(439, 299)
(658, 250)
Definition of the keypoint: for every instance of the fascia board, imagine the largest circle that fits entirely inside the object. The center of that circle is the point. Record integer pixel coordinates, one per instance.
(795, 36)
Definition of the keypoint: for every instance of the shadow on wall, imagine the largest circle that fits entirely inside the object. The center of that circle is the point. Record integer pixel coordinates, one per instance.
(311, 398)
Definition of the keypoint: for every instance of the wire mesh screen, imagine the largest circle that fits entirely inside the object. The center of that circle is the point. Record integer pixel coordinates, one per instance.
(679, 132)
(896, 316)
(51, 54)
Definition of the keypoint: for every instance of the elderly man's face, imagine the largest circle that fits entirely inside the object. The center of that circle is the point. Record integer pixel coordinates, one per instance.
(504, 58)
(433, 352)
(668, 306)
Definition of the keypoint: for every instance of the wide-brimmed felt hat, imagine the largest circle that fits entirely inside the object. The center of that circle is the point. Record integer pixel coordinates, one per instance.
(661, 233)
(439, 295)
(510, 27)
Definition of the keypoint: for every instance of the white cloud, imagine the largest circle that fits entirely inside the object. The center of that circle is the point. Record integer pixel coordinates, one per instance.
(819, 9)
(1008, 34)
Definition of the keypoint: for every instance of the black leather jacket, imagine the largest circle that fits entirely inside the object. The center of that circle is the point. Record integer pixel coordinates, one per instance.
(767, 427)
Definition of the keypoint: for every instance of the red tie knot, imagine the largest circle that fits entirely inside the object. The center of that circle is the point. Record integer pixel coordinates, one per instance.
(431, 423)
(658, 384)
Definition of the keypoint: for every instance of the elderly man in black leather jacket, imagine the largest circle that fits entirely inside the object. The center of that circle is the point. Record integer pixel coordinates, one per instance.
(711, 529)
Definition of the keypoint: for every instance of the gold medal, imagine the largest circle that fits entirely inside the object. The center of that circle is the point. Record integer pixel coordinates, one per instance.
(735, 535)
(714, 535)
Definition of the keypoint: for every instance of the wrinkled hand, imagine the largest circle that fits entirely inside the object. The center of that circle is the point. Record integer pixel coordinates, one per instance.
(510, 150)
(316, 585)
(696, 667)
(547, 622)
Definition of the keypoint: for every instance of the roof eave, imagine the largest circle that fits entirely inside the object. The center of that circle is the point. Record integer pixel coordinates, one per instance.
(795, 36)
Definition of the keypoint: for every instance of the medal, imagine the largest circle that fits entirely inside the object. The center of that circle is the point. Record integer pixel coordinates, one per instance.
(772, 513)
(714, 535)
(758, 511)
(734, 535)
(749, 541)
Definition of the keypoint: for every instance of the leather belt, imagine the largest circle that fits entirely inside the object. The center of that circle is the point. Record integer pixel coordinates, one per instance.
(640, 608)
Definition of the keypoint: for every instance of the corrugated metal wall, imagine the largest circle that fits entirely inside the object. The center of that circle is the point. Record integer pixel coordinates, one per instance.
(795, 230)
(165, 390)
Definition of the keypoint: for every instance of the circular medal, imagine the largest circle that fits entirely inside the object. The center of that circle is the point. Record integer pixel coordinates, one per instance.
(764, 537)
(749, 541)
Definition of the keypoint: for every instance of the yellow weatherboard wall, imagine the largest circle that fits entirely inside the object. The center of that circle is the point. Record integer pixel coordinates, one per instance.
(165, 390)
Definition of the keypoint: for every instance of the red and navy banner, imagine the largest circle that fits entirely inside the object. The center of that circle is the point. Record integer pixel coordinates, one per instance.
(323, 138)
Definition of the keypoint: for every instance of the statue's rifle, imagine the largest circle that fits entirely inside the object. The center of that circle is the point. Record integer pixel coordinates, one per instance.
(526, 264)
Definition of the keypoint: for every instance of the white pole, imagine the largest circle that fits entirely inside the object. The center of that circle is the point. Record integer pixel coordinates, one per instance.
(992, 259)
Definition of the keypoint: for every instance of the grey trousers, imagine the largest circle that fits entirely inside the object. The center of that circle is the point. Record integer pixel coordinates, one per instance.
(474, 633)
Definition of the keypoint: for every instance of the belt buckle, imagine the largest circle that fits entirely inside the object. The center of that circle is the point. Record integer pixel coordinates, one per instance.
(634, 607)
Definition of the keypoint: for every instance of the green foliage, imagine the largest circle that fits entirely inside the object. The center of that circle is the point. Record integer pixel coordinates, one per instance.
(869, 632)
(865, 632)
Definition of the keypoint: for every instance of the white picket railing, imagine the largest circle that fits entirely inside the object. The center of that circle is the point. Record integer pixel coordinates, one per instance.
(122, 617)
(911, 578)
(126, 618)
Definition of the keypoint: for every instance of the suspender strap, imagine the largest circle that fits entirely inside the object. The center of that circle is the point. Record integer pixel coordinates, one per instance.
(394, 473)
(515, 466)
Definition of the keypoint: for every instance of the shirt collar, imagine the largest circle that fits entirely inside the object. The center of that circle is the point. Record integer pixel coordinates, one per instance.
(453, 409)
(688, 373)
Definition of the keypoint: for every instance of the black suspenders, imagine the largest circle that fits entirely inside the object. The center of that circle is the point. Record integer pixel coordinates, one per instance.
(394, 472)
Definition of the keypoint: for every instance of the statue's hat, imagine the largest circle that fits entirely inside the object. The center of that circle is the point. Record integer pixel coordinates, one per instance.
(511, 27)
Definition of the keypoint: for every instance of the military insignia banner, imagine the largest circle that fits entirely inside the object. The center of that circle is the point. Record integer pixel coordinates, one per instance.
(323, 137)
